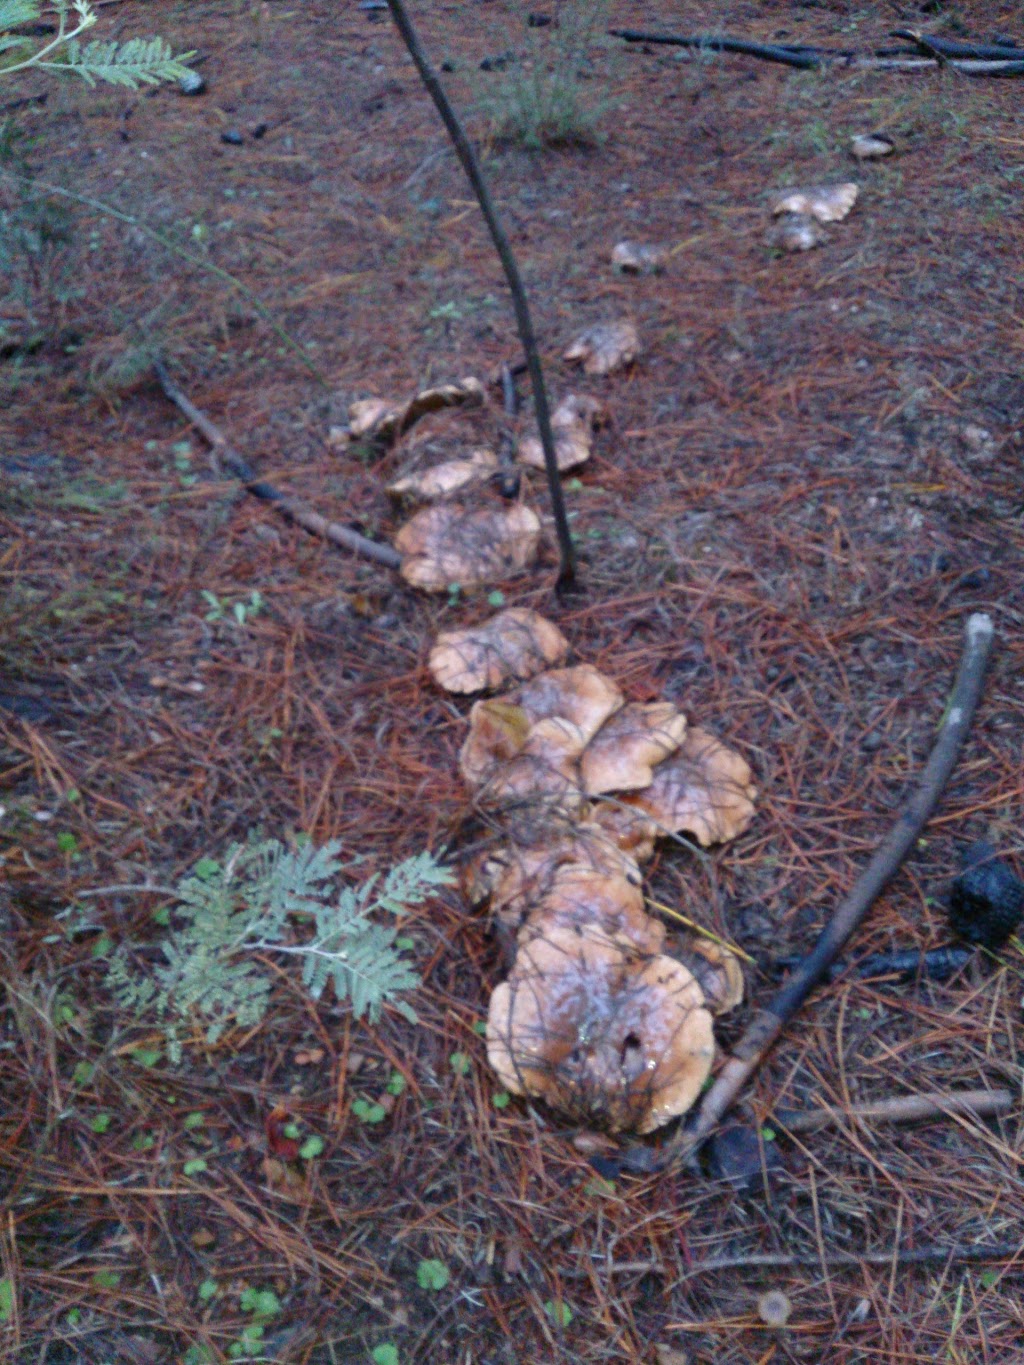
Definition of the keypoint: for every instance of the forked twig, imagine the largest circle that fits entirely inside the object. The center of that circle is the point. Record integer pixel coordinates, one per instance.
(567, 571)
(289, 507)
(769, 1022)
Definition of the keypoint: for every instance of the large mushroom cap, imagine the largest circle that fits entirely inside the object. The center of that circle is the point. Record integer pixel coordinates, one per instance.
(704, 789)
(545, 770)
(447, 543)
(611, 1038)
(515, 644)
(581, 897)
(498, 731)
(622, 755)
(581, 695)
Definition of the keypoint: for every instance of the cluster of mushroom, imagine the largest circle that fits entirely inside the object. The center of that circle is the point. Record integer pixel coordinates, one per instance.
(594, 1018)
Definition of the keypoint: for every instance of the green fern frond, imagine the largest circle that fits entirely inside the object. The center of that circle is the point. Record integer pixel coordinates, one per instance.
(140, 61)
(15, 12)
(261, 895)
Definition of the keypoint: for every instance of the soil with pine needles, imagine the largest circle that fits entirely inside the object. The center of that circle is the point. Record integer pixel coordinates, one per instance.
(809, 480)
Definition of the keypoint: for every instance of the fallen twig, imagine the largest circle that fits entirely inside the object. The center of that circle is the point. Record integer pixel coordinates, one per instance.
(567, 571)
(769, 1022)
(903, 1109)
(931, 1255)
(970, 59)
(289, 507)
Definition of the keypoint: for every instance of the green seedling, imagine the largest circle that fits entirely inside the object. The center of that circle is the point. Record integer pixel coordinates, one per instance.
(433, 1275)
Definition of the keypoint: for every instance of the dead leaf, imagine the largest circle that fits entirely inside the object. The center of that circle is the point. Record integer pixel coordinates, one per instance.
(605, 348)
(512, 646)
(378, 419)
(309, 1057)
(796, 232)
(279, 1142)
(668, 1355)
(637, 258)
(203, 1238)
(572, 425)
(449, 543)
(826, 203)
(282, 1176)
(441, 480)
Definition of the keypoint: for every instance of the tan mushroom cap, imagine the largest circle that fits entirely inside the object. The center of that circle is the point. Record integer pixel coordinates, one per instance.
(718, 971)
(442, 480)
(386, 421)
(515, 644)
(581, 695)
(623, 754)
(704, 789)
(519, 875)
(498, 731)
(605, 348)
(580, 897)
(611, 1038)
(638, 258)
(826, 203)
(572, 425)
(796, 232)
(545, 770)
(448, 543)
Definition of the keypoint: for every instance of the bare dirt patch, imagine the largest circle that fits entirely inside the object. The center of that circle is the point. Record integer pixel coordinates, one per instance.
(811, 477)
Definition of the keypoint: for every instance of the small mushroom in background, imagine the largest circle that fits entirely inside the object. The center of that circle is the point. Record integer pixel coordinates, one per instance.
(379, 420)
(826, 203)
(572, 425)
(619, 1040)
(870, 146)
(795, 232)
(510, 647)
(449, 543)
(623, 754)
(637, 258)
(605, 348)
(442, 480)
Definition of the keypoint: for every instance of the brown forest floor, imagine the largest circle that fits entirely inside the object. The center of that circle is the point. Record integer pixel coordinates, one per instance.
(785, 527)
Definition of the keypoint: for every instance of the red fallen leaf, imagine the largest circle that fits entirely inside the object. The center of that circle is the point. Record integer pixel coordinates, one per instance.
(279, 1143)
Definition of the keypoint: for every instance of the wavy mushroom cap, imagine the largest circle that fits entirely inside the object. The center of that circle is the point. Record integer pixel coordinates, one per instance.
(704, 789)
(612, 1038)
(444, 479)
(718, 971)
(826, 203)
(581, 897)
(605, 348)
(514, 645)
(623, 754)
(382, 420)
(572, 425)
(581, 695)
(448, 543)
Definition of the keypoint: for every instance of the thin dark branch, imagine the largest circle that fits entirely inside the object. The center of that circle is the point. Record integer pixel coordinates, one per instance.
(804, 60)
(902, 1109)
(997, 61)
(289, 508)
(948, 48)
(769, 1022)
(567, 572)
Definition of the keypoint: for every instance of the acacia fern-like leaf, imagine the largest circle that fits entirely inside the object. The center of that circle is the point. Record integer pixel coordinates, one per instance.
(139, 61)
(15, 12)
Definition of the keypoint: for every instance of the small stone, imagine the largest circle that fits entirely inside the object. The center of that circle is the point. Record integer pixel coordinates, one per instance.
(191, 84)
(975, 438)
(232, 137)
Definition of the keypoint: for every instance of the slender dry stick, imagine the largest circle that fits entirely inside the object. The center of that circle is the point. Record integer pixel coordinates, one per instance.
(567, 570)
(289, 508)
(901, 1109)
(769, 1022)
